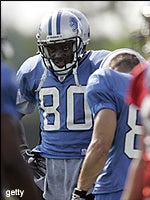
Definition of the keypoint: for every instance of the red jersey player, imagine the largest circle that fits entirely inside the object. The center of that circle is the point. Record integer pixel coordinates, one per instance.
(138, 179)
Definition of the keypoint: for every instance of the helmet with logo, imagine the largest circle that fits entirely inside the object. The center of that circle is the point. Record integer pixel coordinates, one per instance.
(84, 23)
(59, 27)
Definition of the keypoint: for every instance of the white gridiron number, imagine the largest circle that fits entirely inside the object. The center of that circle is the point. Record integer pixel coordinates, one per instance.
(53, 109)
(130, 136)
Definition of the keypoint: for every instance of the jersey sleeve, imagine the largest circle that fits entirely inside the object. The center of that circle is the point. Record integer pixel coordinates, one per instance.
(28, 77)
(99, 93)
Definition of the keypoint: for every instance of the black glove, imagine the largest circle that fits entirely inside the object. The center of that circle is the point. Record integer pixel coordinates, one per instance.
(81, 195)
(37, 164)
(26, 154)
(35, 161)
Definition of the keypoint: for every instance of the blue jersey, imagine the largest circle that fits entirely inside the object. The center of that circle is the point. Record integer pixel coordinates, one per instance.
(8, 90)
(65, 119)
(106, 89)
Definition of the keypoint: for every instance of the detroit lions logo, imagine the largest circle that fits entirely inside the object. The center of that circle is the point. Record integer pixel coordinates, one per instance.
(74, 24)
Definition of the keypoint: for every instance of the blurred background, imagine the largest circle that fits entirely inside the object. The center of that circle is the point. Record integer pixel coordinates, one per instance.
(114, 24)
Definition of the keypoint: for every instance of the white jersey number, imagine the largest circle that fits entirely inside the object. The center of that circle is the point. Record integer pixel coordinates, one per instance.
(47, 110)
(130, 136)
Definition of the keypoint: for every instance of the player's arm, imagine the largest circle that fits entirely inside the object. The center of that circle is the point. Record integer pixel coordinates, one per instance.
(98, 149)
(133, 189)
(24, 107)
(133, 186)
(35, 161)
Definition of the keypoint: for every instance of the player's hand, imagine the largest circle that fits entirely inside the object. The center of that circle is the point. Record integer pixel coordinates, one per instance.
(35, 161)
(37, 164)
(81, 195)
(27, 154)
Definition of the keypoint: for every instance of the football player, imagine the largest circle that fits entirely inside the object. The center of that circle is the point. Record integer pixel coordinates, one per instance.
(138, 180)
(116, 128)
(54, 80)
(15, 173)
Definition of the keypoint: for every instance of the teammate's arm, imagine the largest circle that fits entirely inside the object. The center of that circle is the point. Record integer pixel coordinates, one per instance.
(98, 149)
(133, 186)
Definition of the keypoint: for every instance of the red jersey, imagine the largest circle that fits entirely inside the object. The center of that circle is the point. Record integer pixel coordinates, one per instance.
(138, 90)
(140, 84)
